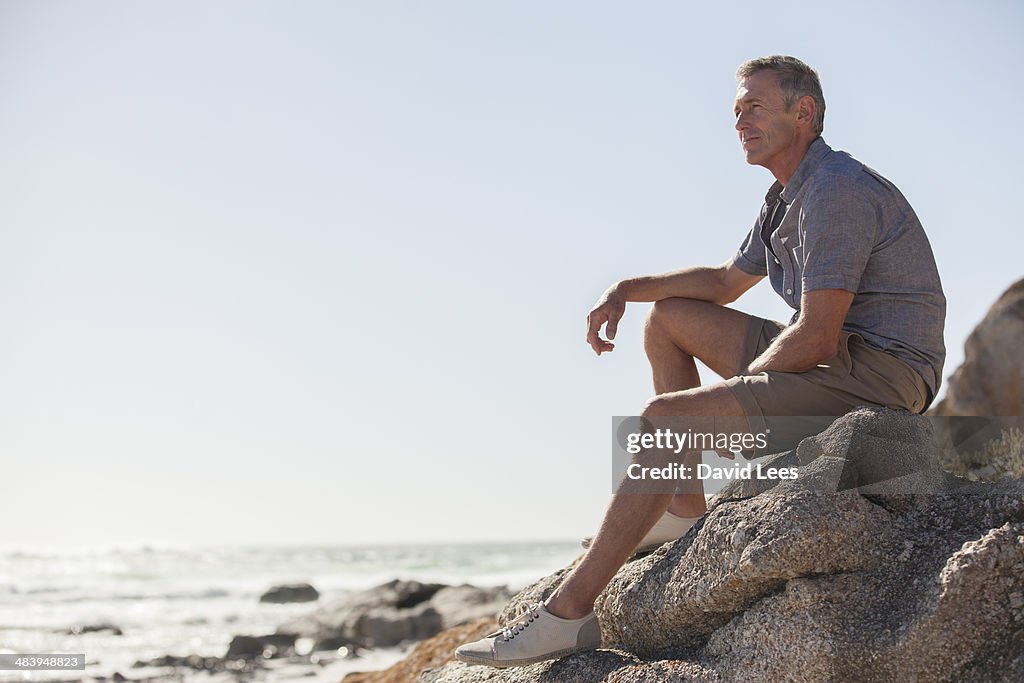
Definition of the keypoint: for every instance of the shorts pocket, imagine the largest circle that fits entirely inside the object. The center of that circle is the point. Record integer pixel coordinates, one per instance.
(840, 364)
(913, 390)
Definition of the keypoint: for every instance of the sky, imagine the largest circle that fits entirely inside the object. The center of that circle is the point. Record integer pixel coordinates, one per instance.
(318, 272)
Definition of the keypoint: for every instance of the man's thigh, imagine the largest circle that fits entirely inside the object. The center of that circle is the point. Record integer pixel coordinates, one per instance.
(722, 338)
(855, 376)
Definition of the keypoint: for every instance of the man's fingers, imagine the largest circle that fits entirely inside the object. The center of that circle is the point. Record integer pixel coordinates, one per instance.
(594, 339)
(594, 322)
(598, 317)
(613, 326)
(592, 327)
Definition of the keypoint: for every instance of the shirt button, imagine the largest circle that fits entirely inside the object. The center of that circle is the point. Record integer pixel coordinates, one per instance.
(777, 261)
(788, 292)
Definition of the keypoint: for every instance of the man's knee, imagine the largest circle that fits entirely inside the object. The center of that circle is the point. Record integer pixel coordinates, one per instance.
(706, 331)
(678, 405)
(661, 406)
(666, 418)
(668, 316)
(667, 311)
(696, 406)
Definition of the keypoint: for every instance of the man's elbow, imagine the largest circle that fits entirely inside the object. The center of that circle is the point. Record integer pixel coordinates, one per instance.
(826, 347)
(726, 297)
(726, 292)
(820, 345)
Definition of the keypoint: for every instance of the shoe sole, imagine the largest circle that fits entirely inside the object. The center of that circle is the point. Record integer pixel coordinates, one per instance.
(504, 664)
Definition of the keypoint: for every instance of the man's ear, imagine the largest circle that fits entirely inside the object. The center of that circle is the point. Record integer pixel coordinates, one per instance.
(806, 109)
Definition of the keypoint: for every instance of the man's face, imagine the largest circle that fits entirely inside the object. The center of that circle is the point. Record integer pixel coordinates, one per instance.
(766, 130)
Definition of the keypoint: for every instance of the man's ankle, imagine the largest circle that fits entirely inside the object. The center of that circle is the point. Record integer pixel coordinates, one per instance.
(690, 506)
(564, 609)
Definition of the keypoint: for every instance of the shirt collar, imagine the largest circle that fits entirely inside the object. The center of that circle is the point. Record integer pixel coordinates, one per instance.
(812, 157)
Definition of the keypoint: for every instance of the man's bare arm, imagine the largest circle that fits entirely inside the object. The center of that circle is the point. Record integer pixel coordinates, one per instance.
(811, 339)
(717, 284)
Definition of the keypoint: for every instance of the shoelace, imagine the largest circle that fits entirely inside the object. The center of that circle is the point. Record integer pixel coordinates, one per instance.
(517, 626)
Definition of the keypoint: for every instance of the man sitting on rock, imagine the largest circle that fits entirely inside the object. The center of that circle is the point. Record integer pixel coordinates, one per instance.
(844, 249)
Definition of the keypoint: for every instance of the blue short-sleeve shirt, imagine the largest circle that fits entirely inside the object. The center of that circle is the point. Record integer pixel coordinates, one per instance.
(847, 227)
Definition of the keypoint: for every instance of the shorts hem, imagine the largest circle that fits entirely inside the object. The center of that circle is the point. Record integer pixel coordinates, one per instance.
(748, 402)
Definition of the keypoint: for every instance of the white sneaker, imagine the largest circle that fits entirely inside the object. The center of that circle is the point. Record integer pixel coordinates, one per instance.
(536, 636)
(669, 528)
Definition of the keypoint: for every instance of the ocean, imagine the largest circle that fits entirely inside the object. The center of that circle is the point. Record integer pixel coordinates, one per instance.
(182, 600)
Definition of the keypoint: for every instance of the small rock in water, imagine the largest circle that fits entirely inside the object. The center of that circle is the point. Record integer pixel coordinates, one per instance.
(394, 612)
(79, 629)
(268, 646)
(331, 643)
(295, 592)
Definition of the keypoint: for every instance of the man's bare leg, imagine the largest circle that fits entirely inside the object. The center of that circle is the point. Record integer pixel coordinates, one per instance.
(676, 332)
(631, 515)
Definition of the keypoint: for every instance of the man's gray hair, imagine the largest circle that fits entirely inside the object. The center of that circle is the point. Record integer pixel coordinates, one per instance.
(796, 80)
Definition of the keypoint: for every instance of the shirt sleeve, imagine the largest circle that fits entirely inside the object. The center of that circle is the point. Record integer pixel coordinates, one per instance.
(837, 235)
(750, 258)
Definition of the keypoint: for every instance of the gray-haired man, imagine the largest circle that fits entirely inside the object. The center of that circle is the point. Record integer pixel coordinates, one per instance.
(844, 249)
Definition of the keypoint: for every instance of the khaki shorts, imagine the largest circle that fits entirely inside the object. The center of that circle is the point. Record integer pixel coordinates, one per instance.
(858, 375)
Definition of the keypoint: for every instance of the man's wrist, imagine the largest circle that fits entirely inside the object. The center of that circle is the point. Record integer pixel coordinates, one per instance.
(621, 289)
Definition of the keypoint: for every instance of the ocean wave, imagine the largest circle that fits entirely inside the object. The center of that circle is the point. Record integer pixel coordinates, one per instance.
(75, 596)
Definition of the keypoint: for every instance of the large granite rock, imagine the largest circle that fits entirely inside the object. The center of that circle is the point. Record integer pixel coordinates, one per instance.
(985, 444)
(991, 379)
(395, 612)
(872, 565)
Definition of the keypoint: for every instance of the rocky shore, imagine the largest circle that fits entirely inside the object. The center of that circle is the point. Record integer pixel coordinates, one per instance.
(395, 614)
(896, 555)
(874, 565)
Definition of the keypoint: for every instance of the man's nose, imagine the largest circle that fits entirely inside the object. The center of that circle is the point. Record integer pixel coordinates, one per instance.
(741, 122)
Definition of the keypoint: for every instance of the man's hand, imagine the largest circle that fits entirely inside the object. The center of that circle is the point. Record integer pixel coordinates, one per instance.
(609, 309)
